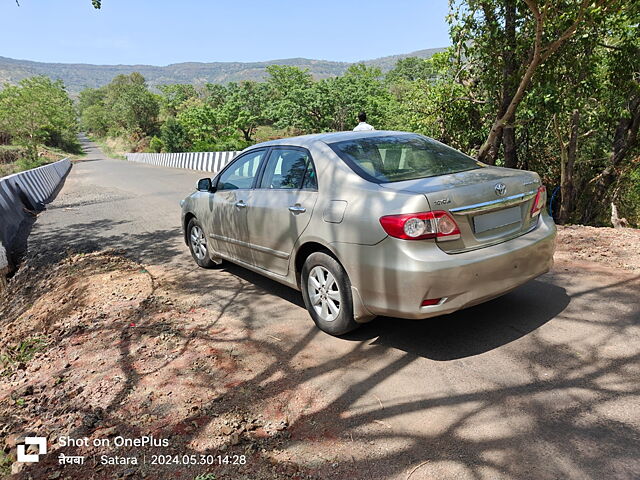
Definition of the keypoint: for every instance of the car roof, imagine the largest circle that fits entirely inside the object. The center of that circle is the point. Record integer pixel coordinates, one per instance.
(328, 138)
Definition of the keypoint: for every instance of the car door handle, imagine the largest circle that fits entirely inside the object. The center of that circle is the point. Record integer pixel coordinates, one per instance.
(296, 209)
(241, 204)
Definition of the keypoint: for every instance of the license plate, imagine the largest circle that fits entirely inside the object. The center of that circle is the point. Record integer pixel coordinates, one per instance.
(493, 220)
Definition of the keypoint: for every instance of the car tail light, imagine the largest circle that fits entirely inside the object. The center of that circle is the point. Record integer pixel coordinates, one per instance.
(419, 226)
(539, 201)
(430, 301)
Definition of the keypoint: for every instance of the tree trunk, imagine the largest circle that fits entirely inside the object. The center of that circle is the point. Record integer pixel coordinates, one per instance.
(538, 56)
(510, 147)
(509, 84)
(624, 139)
(567, 162)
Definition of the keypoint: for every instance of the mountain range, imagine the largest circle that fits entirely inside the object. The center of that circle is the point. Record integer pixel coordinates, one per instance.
(77, 76)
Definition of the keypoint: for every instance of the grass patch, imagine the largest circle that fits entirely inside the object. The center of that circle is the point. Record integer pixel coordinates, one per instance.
(112, 147)
(28, 164)
(266, 132)
(13, 159)
(21, 352)
(5, 464)
(21, 165)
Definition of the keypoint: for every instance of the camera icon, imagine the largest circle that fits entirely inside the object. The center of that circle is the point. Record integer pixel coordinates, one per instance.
(22, 455)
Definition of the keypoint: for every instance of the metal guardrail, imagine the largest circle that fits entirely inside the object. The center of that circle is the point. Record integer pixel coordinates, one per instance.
(30, 190)
(202, 161)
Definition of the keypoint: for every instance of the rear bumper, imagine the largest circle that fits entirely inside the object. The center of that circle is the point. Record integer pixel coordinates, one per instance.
(393, 277)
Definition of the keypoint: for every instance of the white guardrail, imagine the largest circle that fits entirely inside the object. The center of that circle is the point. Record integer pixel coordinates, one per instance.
(30, 189)
(202, 161)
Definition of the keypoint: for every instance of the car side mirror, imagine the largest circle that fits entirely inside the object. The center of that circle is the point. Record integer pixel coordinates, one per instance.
(204, 185)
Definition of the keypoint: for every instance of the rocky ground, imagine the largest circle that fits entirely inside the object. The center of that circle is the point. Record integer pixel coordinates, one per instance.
(100, 347)
(615, 247)
(94, 348)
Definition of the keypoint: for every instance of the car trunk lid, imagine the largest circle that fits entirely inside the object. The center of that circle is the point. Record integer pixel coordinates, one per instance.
(489, 204)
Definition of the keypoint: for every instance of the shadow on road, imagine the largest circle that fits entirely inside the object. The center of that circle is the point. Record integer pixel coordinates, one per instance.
(472, 331)
(462, 334)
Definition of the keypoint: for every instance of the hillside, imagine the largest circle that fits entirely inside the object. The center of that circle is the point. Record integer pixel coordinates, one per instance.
(78, 76)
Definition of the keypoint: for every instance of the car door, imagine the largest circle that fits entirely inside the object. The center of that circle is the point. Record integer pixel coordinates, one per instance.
(280, 206)
(230, 227)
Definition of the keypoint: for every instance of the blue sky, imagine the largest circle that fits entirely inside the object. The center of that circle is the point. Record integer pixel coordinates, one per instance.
(162, 32)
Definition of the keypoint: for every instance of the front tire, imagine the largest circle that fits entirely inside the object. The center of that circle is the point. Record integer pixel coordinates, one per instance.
(198, 244)
(326, 291)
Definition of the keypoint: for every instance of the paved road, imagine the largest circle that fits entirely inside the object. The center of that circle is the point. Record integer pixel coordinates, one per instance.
(543, 383)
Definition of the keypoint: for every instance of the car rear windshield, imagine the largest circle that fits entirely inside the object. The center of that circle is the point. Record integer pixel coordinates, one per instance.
(397, 158)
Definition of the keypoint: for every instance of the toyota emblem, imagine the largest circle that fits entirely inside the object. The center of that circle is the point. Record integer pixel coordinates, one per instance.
(500, 189)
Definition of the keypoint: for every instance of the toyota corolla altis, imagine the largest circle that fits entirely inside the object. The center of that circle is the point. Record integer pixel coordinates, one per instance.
(373, 223)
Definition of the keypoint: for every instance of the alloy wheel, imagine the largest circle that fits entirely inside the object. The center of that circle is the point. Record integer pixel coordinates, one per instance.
(324, 293)
(198, 242)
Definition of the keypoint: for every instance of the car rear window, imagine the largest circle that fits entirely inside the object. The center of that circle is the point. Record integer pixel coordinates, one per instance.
(397, 158)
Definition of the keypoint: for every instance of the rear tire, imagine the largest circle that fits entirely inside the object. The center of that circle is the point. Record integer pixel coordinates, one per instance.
(326, 291)
(198, 244)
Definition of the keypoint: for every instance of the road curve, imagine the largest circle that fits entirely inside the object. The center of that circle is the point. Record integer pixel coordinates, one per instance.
(542, 383)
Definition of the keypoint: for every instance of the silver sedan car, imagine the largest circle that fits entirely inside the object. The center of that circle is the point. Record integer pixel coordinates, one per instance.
(373, 223)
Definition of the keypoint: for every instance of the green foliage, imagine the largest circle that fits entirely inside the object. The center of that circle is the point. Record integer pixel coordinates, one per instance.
(202, 122)
(156, 144)
(290, 94)
(578, 113)
(174, 96)
(438, 107)
(124, 107)
(38, 110)
(95, 119)
(21, 352)
(10, 153)
(245, 106)
(206, 476)
(296, 101)
(173, 136)
(132, 107)
(411, 69)
(571, 116)
(6, 462)
(28, 163)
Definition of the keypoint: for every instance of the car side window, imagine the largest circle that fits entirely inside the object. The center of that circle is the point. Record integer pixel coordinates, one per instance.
(310, 181)
(288, 169)
(241, 173)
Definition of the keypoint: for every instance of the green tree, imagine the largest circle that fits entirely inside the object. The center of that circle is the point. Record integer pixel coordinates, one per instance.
(202, 122)
(440, 106)
(332, 104)
(173, 137)
(411, 69)
(132, 108)
(124, 107)
(615, 177)
(505, 43)
(245, 106)
(38, 110)
(359, 89)
(290, 94)
(174, 96)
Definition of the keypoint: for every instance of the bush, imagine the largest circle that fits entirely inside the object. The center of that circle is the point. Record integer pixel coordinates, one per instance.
(28, 164)
(227, 144)
(141, 145)
(174, 137)
(11, 154)
(231, 144)
(204, 146)
(156, 145)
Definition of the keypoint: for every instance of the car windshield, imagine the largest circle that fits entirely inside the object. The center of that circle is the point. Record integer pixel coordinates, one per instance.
(403, 157)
